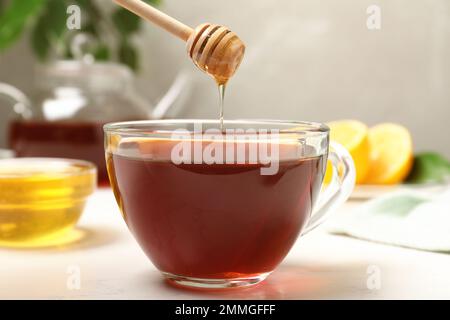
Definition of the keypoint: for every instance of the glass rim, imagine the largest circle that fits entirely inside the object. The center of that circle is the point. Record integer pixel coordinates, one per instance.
(138, 128)
(53, 167)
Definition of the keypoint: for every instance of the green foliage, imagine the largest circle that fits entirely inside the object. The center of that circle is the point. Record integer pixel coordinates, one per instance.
(49, 28)
(50, 37)
(128, 55)
(429, 167)
(14, 19)
(102, 53)
(126, 22)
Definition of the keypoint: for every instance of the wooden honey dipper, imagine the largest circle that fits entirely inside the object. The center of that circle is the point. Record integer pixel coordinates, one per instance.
(214, 49)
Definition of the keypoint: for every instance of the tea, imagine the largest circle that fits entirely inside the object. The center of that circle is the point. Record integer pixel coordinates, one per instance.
(213, 221)
(74, 140)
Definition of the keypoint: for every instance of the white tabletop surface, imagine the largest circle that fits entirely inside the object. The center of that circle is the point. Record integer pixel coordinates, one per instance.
(106, 263)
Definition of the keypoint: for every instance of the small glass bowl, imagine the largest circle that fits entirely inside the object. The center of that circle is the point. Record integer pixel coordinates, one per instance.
(42, 198)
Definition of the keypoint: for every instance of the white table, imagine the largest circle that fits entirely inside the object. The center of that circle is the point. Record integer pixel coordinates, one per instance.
(111, 265)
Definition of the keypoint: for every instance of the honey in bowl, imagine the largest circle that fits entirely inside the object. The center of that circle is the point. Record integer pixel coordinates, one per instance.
(42, 198)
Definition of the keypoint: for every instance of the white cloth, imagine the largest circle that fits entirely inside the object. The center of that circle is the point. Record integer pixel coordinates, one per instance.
(405, 218)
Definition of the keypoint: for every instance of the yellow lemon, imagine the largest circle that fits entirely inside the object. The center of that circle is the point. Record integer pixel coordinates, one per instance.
(391, 154)
(352, 135)
(328, 173)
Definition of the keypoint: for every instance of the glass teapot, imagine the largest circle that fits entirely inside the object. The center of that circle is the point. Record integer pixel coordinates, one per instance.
(73, 101)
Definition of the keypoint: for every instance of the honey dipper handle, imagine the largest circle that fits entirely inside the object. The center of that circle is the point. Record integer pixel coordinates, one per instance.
(159, 18)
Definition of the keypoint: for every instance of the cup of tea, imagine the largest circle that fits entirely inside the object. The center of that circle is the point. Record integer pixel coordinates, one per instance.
(219, 208)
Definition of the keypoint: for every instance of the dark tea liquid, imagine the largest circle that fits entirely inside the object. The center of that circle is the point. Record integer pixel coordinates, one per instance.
(75, 140)
(215, 221)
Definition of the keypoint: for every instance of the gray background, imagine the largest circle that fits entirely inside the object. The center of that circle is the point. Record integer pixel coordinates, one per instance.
(309, 60)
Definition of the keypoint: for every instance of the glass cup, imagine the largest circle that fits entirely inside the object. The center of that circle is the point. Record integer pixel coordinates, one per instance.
(218, 208)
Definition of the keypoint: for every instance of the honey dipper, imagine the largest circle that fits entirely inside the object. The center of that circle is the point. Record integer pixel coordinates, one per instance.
(213, 48)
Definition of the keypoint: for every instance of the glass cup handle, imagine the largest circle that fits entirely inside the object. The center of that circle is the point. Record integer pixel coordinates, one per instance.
(339, 188)
(20, 103)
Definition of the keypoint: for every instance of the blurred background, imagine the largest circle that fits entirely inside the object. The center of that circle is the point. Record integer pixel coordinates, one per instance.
(307, 60)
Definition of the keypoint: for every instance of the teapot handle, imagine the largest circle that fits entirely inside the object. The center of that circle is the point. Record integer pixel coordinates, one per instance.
(20, 103)
(174, 97)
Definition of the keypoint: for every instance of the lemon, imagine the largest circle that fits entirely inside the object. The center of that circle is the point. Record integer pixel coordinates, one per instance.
(328, 173)
(352, 135)
(391, 154)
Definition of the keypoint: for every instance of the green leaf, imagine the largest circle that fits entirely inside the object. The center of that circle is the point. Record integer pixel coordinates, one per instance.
(50, 28)
(92, 29)
(126, 22)
(128, 55)
(102, 53)
(429, 167)
(14, 19)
